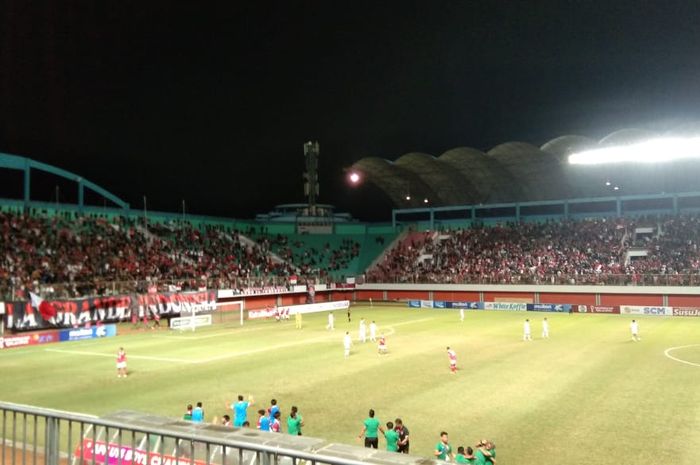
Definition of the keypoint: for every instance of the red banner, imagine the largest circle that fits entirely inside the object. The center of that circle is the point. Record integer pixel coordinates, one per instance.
(30, 339)
(111, 454)
(686, 311)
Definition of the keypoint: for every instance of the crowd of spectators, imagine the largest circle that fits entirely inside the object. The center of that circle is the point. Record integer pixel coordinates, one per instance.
(556, 252)
(71, 257)
(311, 259)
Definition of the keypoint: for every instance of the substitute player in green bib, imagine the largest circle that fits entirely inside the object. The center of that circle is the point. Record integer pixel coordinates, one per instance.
(392, 438)
(371, 431)
(443, 449)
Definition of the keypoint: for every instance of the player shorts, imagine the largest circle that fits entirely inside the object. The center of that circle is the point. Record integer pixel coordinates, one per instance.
(121, 365)
(372, 442)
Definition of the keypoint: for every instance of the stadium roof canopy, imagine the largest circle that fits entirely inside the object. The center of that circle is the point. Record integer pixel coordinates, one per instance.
(519, 172)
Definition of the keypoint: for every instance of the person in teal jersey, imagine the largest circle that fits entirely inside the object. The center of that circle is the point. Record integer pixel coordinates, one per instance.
(240, 410)
(294, 422)
(198, 413)
(443, 449)
(371, 430)
(392, 438)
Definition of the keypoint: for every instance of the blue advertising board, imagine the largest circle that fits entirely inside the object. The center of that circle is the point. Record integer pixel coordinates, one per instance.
(79, 334)
(561, 308)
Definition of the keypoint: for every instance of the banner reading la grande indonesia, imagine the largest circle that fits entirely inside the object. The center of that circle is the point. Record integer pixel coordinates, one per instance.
(21, 316)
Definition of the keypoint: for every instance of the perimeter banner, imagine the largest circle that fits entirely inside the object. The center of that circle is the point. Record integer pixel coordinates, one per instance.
(651, 310)
(686, 311)
(70, 313)
(597, 309)
(560, 308)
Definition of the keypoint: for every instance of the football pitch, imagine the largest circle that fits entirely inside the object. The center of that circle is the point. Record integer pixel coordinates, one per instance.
(588, 395)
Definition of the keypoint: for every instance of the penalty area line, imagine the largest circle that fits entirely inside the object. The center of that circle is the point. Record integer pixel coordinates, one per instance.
(668, 351)
(135, 357)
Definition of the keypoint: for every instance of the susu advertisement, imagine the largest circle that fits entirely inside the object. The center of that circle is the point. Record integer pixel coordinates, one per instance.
(70, 313)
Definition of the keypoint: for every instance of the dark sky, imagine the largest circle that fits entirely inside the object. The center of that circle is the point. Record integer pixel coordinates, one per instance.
(181, 100)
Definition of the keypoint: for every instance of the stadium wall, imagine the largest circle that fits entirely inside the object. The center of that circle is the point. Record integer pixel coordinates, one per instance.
(575, 295)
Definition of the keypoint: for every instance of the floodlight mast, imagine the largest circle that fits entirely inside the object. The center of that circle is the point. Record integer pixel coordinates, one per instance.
(311, 152)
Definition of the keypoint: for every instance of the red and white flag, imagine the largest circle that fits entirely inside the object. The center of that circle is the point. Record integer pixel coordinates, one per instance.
(46, 310)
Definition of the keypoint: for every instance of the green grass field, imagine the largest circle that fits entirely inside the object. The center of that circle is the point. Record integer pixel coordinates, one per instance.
(588, 395)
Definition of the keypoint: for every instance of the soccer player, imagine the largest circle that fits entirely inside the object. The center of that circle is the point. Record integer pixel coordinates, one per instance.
(392, 438)
(461, 315)
(331, 322)
(461, 455)
(274, 408)
(634, 329)
(527, 336)
(198, 413)
(443, 450)
(370, 431)
(381, 347)
(452, 355)
(188, 414)
(373, 331)
(263, 421)
(348, 314)
(275, 425)
(485, 453)
(404, 443)
(240, 410)
(121, 363)
(347, 343)
(294, 422)
(297, 320)
(545, 328)
(363, 330)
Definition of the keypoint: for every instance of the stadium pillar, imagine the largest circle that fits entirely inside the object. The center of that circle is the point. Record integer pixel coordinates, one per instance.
(393, 219)
(566, 209)
(618, 205)
(27, 183)
(432, 218)
(675, 204)
(81, 194)
(517, 212)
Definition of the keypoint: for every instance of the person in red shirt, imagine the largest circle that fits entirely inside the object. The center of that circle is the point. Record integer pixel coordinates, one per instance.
(121, 363)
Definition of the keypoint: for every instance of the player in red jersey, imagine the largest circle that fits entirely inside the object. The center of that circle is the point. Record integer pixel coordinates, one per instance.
(381, 346)
(121, 363)
(452, 355)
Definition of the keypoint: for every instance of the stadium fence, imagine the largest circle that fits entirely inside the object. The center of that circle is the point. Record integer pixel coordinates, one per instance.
(40, 436)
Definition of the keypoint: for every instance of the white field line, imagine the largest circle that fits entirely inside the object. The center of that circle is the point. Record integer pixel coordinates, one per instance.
(137, 357)
(390, 331)
(668, 351)
(227, 332)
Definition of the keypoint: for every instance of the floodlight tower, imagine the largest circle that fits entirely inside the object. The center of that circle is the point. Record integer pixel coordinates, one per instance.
(311, 153)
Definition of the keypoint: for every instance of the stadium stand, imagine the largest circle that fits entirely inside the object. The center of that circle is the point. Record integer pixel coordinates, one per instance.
(66, 255)
(645, 250)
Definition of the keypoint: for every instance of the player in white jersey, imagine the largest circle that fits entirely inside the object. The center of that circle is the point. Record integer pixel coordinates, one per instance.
(634, 329)
(373, 331)
(331, 321)
(527, 335)
(347, 343)
(363, 331)
(461, 315)
(545, 328)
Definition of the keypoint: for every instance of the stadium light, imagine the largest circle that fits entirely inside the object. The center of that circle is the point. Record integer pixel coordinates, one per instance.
(607, 183)
(660, 150)
(408, 197)
(425, 200)
(354, 177)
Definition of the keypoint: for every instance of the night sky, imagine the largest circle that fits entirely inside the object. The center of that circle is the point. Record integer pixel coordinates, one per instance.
(181, 100)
